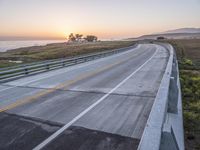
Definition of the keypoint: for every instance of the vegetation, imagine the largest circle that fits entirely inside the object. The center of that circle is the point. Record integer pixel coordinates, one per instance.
(72, 37)
(6, 63)
(91, 38)
(57, 50)
(188, 53)
(79, 37)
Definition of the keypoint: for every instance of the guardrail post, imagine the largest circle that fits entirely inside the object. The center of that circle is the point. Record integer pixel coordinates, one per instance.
(75, 61)
(63, 63)
(47, 67)
(26, 71)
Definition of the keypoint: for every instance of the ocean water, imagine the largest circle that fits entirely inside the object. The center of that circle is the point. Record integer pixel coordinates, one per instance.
(7, 45)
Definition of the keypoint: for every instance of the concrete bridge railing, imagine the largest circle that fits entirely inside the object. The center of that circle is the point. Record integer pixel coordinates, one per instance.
(164, 128)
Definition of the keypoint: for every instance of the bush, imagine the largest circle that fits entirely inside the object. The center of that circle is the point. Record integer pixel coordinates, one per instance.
(187, 61)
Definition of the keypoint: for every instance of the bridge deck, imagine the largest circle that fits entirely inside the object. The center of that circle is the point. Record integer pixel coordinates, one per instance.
(124, 84)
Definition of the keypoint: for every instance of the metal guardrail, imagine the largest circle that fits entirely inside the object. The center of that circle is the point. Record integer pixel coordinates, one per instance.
(164, 128)
(11, 73)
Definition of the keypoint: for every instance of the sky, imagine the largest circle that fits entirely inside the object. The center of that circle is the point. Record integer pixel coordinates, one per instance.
(107, 19)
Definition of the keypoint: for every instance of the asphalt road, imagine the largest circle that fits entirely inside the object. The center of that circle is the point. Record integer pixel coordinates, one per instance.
(108, 98)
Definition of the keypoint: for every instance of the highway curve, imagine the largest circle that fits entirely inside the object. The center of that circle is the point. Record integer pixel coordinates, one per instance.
(98, 105)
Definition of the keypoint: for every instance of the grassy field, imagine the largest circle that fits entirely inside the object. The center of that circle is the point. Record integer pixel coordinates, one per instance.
(57, 50)
(188, 53)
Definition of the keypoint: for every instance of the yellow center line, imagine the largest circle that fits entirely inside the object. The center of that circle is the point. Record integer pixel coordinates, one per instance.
(60, 86)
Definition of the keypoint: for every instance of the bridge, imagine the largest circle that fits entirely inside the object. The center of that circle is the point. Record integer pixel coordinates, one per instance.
(124, 99)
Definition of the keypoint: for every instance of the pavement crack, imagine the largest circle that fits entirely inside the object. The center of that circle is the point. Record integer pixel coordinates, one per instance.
(94, 92)
(34, 119)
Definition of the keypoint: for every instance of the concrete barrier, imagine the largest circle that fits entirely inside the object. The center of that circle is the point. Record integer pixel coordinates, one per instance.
(164, 128)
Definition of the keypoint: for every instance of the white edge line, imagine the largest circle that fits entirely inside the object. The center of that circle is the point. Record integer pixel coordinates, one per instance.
(57, 133)
(67, 70)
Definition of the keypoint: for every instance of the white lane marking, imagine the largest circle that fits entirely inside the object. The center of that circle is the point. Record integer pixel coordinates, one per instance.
(57, 133)
(6, 88)
(67, 70)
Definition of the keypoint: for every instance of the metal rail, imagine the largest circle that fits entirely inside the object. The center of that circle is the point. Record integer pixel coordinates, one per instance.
(11, 73)
(164, 128)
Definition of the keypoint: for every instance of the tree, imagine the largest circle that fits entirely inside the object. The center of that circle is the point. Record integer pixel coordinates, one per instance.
(78, 37)
(91, 38)
(72, 37)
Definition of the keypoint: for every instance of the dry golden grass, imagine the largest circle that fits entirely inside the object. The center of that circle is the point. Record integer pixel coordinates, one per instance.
(59, 50)
(190, 48)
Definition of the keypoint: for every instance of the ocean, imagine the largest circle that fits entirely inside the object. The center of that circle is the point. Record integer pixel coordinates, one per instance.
(7, 45)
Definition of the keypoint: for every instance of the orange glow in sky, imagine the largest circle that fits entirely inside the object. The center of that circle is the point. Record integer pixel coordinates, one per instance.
(105, 18)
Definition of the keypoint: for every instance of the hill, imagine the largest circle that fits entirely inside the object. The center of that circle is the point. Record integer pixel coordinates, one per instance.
(182, 33)
(183, 30)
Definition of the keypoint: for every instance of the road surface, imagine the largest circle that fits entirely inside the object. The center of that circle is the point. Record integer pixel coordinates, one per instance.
(99, 105)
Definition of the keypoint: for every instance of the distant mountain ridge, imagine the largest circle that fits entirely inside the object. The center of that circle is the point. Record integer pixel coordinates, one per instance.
(182, 33)
(183, 30)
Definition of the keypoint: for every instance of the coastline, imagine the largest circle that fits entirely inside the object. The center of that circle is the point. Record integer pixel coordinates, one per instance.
(6, 45)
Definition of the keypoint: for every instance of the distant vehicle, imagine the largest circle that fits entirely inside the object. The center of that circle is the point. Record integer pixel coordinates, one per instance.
(161, 38)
